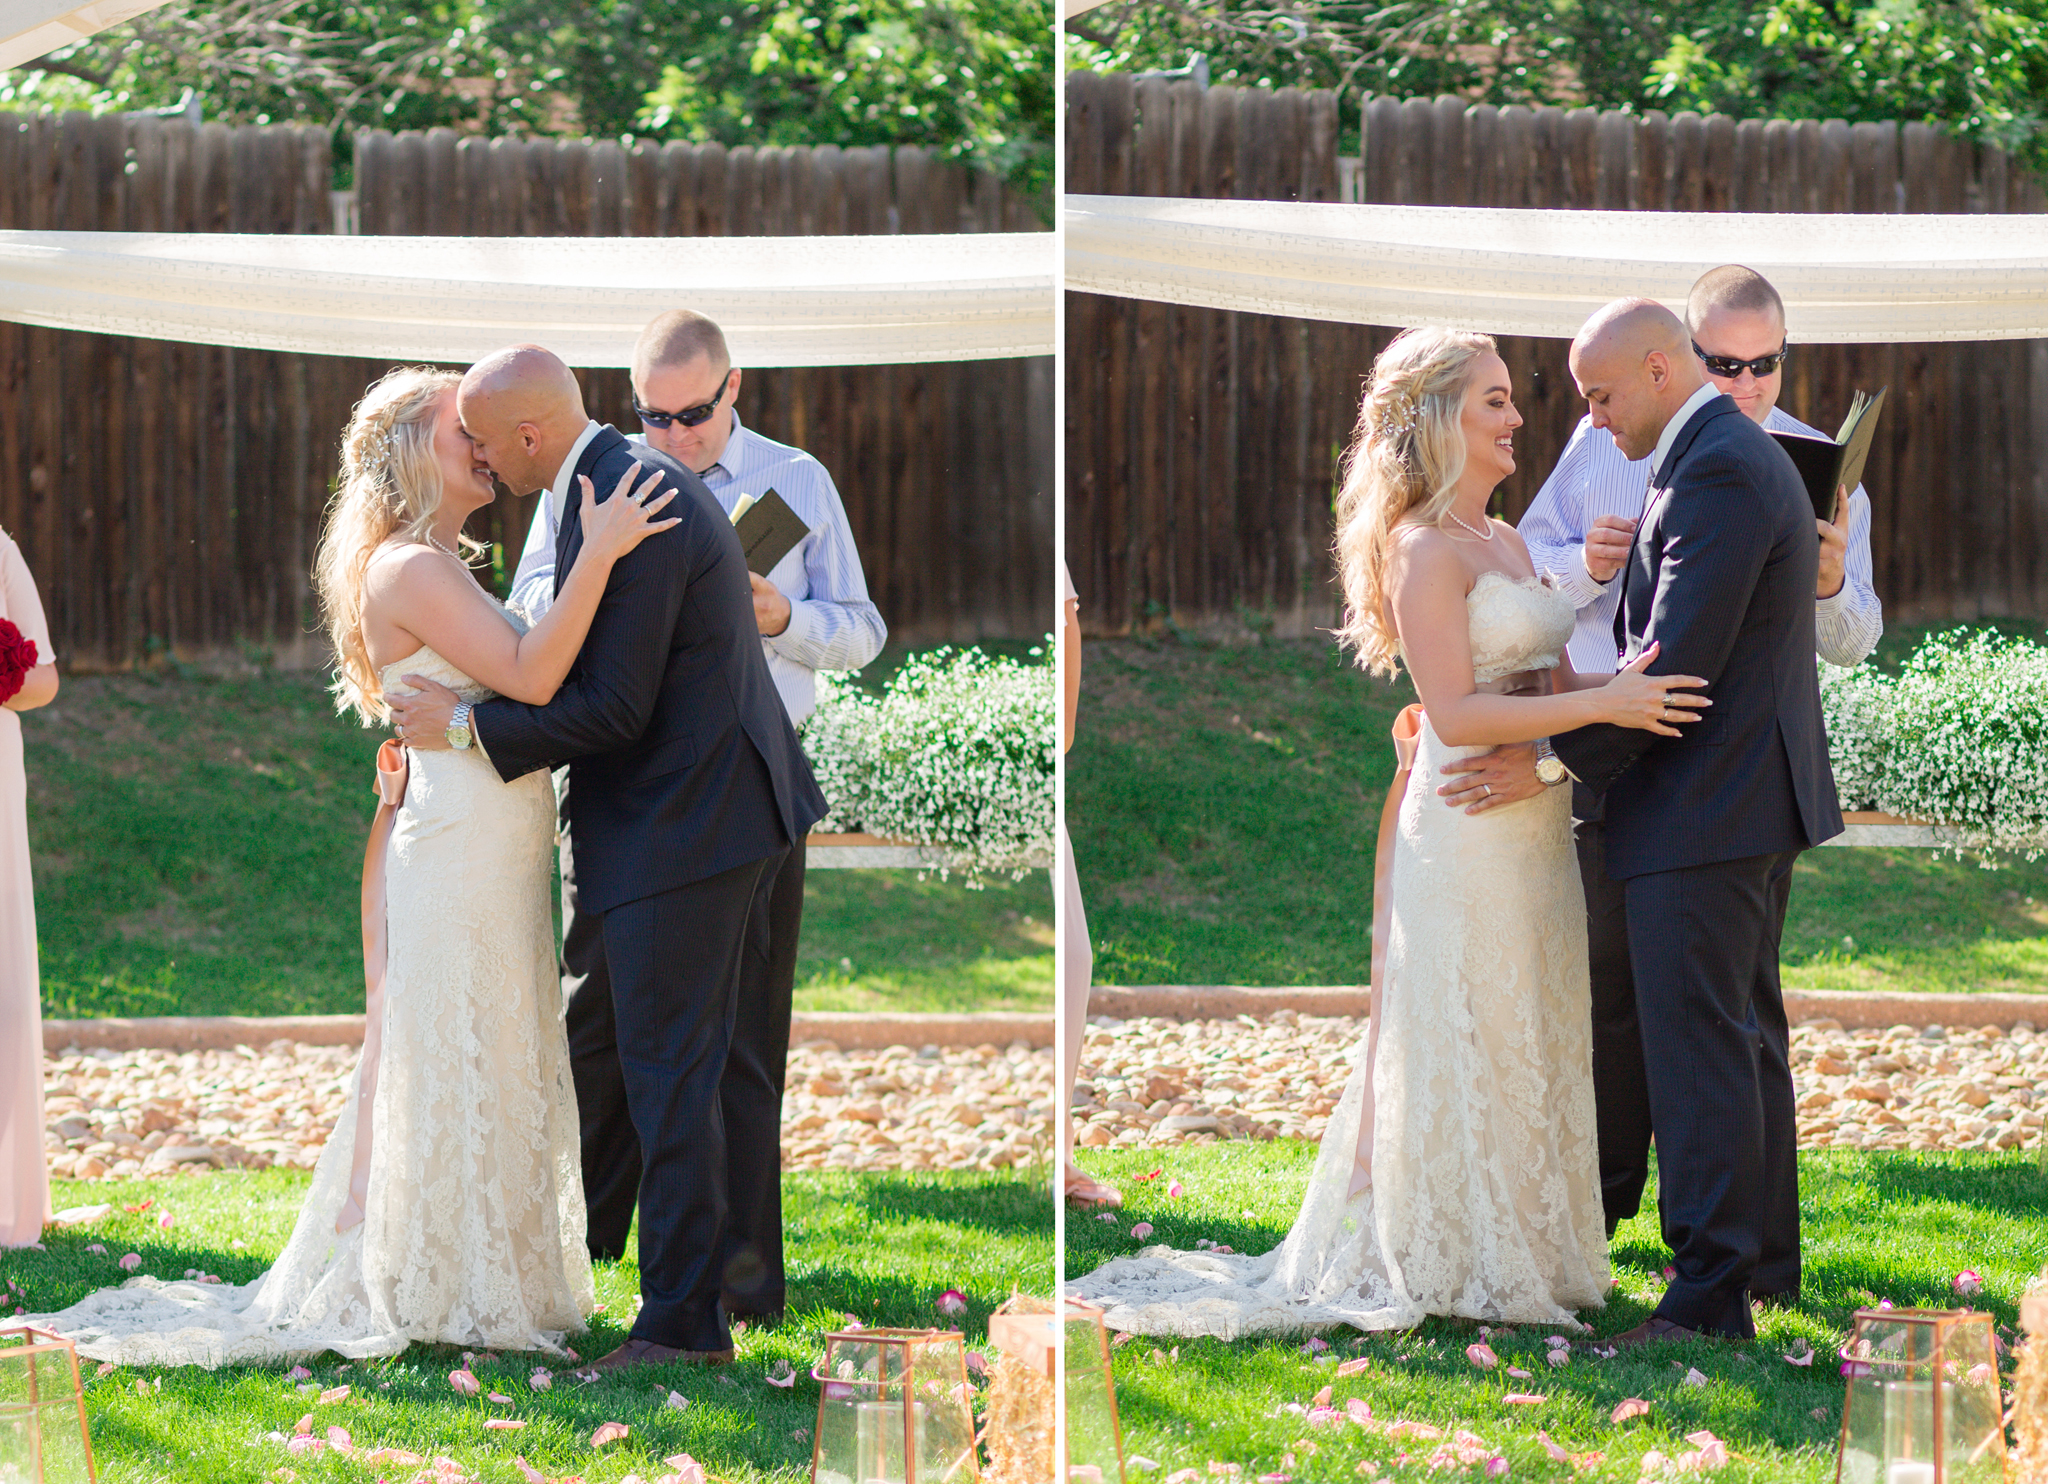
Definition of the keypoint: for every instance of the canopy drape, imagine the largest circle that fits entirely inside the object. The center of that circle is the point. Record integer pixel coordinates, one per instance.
(1845, 278)
(782, 301)
(33, 28)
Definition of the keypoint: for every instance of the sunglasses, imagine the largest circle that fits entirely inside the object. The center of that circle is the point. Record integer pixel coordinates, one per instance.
(689, 417)
(1731, 368)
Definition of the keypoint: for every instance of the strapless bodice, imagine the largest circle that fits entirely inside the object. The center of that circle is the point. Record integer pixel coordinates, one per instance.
(1516, 624)
(429, 664)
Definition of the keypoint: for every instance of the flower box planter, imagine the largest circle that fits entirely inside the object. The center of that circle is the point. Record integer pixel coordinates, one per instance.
(857, 852)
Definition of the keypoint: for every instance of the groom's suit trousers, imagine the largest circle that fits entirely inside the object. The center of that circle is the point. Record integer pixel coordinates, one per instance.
(750, 1094)
(1703, 950)
(674, 962)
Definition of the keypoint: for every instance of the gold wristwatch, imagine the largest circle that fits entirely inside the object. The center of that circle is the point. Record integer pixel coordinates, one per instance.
(459, 735)
(1550, 769)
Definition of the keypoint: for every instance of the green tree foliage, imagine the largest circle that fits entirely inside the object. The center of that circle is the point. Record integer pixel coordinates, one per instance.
(970, 78)
(1975, 67)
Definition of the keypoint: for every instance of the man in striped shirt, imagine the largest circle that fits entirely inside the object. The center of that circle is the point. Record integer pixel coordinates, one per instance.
(1579, 530)
(813, 613)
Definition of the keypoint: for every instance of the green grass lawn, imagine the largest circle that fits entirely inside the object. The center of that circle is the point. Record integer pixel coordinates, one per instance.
(879, 1247)
(198, 846)
(1875, 1226)
(1224, 801)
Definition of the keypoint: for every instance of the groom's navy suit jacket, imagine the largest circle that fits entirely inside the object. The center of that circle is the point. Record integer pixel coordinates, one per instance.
(683, 762)
(1721, 575)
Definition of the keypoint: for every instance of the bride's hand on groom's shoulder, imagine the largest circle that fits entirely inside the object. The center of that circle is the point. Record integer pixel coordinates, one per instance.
(625, 520)
(1651, 703)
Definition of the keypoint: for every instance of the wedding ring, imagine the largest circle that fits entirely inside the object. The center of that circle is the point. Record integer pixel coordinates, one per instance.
(1489, 789)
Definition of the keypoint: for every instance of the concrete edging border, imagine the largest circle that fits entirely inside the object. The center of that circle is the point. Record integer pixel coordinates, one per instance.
(1854, 1009)
(850, 1030)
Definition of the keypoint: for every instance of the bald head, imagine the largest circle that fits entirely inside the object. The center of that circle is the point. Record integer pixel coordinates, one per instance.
(1633, 363)
(523, 410)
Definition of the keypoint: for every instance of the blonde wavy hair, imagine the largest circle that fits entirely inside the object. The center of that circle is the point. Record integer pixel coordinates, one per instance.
(1407, 454)
(389, 490)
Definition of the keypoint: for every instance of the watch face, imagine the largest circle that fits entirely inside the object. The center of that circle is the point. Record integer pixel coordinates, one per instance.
(1550, 770)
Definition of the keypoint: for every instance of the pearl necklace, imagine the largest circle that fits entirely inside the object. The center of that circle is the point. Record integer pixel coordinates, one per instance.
(1485, 535)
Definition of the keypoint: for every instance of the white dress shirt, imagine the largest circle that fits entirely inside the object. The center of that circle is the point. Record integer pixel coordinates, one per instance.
(1594, 478)
(832, 625)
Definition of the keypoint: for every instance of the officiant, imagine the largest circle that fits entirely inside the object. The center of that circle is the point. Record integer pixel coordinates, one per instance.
(813, 612)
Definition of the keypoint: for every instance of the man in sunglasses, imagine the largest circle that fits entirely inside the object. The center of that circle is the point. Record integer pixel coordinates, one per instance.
(814, 614)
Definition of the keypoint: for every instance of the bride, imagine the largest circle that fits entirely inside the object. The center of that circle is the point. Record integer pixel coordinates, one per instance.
(447, 1205)
(1458, 1175)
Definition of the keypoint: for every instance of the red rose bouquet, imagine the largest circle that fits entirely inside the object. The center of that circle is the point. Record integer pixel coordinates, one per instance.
(17, 658)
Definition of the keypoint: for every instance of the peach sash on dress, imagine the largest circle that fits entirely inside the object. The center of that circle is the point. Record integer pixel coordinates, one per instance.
(1407, 739)
(392, 772)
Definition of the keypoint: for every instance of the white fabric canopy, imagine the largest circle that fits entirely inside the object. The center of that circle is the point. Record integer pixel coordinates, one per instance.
(782, 301)
(32, 28)
(1844, 278)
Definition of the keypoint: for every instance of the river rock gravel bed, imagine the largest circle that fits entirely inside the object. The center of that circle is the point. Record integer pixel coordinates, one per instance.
(148, 1114)
(1147, 1082)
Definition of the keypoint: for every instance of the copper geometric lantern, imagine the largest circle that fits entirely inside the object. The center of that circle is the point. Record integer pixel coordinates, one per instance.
(1923, 1405)
(43, 1436)
(894, 1407)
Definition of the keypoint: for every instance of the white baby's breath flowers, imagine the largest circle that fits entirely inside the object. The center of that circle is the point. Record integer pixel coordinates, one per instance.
(957, 753)
(1959, 736)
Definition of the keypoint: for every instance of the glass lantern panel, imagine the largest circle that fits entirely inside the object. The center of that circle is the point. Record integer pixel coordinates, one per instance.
(862, 1359)
(1863, 1432)
(1092, 1442)
(945, 1412)
(42, 1440)
(838, 1455)
(1973, 1422)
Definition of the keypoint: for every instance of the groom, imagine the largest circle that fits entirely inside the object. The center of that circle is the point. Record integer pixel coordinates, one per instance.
(686, 786)
(1702, 830)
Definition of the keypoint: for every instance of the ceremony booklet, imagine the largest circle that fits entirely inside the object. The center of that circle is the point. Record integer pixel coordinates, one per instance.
(768, 530)
(1827, 464)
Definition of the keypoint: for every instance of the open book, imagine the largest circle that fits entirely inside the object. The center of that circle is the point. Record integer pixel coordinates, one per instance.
(1827, 464)
(768, 530)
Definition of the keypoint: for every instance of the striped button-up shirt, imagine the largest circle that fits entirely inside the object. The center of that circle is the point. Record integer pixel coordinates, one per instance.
(1594, 478)
(832, 625)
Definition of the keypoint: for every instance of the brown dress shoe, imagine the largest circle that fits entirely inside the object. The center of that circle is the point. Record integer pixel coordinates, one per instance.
(646, 1352)
(1653, 1330)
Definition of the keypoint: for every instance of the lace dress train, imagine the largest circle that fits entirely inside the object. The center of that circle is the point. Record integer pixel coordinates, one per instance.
(1484, 1200)
(469, 1228)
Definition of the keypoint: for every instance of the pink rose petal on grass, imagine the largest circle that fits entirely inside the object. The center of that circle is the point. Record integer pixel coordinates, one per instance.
(527, 1471)
(1802, 1356)
(952, 1302)
(165, 1221)
(335, 1394)
(1693, 1378)
(1518, 1373)
(783, 1374)
(1524, 1399)
(1482, 1356)
(504, 1424)
(1969, 1283)
(1183, 1476)
(1141, 1231)
(1496, 1467)
(131, 1262)
(1713, 1452)
(298, 1373)
(97, 1249)
(977, 1364)
(1557, 1357)
(464, 1381)
(1635, 1406)
(609, 1432)
(1175, 1190)
(339, 1440)
(1551, 1448)
(1321, 1398)
(540, 1380)
(499, 1397)
(688, 1470)
(302, 1445)
(304, 1425)
(1358, 1410)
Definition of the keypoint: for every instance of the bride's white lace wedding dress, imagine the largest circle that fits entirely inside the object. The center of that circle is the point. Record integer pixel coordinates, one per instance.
(468, 1222)
(1484, 1199)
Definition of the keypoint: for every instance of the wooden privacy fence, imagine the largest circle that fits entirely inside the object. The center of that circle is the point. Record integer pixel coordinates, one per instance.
(168, 496)
(1202, 446)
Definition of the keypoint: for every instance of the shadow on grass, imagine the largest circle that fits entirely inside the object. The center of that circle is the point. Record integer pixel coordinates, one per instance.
(1008, 1206)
